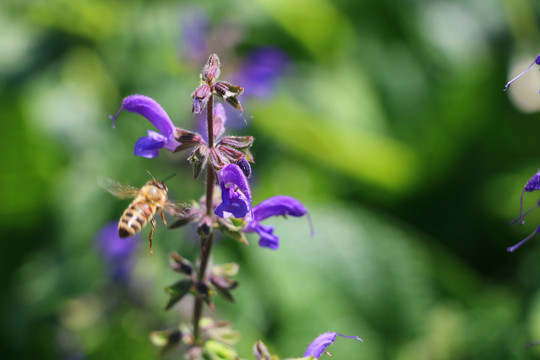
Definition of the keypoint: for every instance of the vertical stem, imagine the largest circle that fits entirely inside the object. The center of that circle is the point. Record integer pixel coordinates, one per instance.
(205, 244)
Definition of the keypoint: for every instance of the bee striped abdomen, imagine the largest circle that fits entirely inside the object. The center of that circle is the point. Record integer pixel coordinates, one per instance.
(136, 216)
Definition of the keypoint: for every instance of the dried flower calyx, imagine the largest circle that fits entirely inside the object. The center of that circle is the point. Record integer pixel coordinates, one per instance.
(209, 86)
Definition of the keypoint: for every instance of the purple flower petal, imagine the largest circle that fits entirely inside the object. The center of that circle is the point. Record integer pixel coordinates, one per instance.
(235, 193)
(319, 345)
(274, 206)
(279, 205)
(533, 183)
(244, 165)
(149, 146)
(268, 239)
(151, 110)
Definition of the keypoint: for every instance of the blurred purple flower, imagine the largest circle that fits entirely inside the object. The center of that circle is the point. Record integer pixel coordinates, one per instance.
(536, 61)
(274, 206)
(195, 28)
(149, 146)
(319, 345)
(117, 253)
(258, 74)
(235, 193)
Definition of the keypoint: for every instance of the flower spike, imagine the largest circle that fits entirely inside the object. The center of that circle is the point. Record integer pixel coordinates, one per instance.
(536, 61)
(319, 345)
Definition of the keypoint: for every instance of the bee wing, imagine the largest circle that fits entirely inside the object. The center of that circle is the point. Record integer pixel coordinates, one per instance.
(176, 208)
(119, 190)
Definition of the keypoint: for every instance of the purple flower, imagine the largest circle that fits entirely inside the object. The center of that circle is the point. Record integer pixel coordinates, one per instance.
(195, 28)
(235, 193)
(117, 253)
(274, 206)
(536, 61)
(259, 73)
(319, 345)
(149, 146)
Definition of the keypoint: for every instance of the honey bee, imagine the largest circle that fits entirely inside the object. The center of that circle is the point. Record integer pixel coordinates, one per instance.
(149, 200)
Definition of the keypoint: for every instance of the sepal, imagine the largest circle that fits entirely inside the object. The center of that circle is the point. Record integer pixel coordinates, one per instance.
(188, 139)
(200, 98)
(177, 291)
(228, 269)
(198, 160)
(205, 292)
(221, 331)
(180, 264)
(237, 142)
(233, 227)
(166, 339)
(229, 93)
(220, 278)
(205, 228)
(211, 70)
(261, 352)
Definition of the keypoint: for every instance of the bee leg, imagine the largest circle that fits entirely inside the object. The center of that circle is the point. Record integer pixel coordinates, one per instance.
(163, 218)
(153, 222)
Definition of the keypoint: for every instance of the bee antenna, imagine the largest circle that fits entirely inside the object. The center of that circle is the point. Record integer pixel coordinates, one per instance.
(152, 176)
(168, 177)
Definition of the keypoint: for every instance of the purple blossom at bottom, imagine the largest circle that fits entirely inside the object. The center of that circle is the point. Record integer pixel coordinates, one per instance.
(235, 193)
(319, 345)
(275, 206)
(117, 253)
(150, 145)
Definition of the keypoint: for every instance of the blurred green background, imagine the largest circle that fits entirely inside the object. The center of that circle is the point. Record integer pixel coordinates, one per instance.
(390, 125)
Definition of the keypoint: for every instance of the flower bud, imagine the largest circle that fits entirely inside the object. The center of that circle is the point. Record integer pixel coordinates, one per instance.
(211, 70)
(200, 98)
(179, 264)
(261, 352)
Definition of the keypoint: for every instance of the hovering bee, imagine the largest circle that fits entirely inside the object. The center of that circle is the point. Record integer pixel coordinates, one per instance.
(149, 200)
